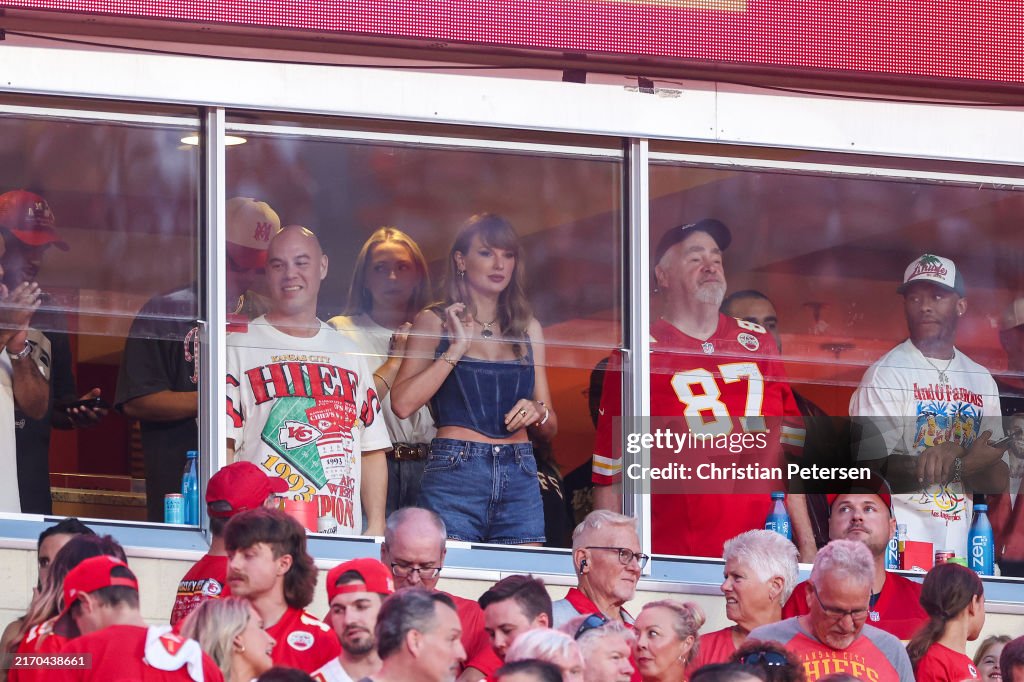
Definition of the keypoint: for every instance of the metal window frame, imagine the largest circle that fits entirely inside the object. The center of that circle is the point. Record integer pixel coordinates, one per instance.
(696, 111)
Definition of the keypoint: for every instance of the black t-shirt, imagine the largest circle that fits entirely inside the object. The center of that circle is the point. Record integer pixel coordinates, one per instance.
(161, 354)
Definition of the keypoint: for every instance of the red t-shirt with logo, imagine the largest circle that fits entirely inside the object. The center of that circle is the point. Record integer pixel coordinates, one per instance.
(207, 579)
(731, 386)
(898, 609)
(118, 654)
(942, 664)
(475, 641)
(40, 640)
(303, 641)
(715, 647)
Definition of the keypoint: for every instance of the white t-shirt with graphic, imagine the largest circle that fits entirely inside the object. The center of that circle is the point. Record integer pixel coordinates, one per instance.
(305, 409)
(374, 340)
(904, 398)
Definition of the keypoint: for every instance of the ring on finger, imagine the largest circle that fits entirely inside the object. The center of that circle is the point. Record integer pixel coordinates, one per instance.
(523, 411)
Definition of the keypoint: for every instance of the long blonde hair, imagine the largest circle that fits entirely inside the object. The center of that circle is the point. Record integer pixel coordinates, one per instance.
(360, 301)
(214, 624)
(495, 232)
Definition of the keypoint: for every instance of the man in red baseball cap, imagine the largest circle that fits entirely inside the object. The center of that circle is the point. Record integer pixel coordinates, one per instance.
(235, 488)
(864, 513)
(355, 591)
(101, 614)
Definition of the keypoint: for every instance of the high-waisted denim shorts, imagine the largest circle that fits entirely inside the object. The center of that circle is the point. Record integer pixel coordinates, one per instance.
(484, 492)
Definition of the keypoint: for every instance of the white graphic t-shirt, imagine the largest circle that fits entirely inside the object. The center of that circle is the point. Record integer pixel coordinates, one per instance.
(305, 409)
(904, 397)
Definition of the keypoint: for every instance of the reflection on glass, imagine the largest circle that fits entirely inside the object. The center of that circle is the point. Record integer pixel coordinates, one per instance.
(95, 217)
(386, 215)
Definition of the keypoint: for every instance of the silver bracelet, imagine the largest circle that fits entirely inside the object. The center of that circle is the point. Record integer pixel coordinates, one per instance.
(547, 413)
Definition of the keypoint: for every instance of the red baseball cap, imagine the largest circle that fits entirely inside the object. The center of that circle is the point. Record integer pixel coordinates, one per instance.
(375, 575)
(240, 486)
(29, 218)
(93, 574)
(874, 485)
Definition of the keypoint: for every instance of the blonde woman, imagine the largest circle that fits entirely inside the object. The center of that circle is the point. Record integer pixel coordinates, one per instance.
(486, 384)
(390, 284)
(666, 639)
(232, 633)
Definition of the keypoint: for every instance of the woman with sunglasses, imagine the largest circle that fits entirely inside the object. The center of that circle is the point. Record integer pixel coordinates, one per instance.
(760, 573)
(666, 639)
(486, 384)
(953, 596)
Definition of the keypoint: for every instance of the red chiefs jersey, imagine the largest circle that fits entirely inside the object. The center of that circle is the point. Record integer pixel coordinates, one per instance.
(303, 641)
(898, 609)
(207, 579)
(942, 664)
(730, 389)
(119, 653)
(715, 647)
(40, 640)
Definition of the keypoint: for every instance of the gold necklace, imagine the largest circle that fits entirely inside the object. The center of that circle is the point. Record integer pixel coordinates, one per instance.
(486, 333)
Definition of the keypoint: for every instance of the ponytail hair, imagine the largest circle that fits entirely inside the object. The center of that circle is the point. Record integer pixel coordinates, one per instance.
(948, 589)
(688, 619)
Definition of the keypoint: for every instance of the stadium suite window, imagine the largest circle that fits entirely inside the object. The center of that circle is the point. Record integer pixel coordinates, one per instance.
(99, 215)
(564, 207)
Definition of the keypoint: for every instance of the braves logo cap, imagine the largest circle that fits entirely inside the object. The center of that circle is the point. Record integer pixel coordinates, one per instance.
(937, 270)
(376, 578)
(29, 218)
(251, 226)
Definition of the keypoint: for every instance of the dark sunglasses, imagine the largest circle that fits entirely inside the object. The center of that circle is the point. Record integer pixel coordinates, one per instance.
(591, 622)
(769, 658)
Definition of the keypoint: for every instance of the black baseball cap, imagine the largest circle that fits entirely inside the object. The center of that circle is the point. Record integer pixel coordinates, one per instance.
(716, 228)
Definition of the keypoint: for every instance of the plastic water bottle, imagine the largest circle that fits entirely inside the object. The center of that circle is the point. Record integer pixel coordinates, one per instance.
(982, 542)
(190, 488)
(778, 519)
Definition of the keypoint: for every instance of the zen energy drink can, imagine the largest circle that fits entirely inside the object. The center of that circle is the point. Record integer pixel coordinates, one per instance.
(174, 508)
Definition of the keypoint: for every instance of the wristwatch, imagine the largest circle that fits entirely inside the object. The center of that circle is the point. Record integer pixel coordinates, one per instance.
(23, 353)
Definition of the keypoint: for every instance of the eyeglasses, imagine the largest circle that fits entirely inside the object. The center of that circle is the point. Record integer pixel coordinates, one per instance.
(425, 572)
(626, 555)
(769, 658)
(591, 622)
(839, 614)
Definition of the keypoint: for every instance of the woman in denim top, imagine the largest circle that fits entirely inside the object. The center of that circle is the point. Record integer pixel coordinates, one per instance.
(487, 386)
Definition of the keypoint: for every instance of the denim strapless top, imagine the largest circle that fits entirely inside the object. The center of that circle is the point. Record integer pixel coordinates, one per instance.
(478, 393)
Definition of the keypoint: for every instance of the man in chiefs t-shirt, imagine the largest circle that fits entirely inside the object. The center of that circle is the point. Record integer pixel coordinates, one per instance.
(867, 517)
(713, 377)
(101, 616)
(414, 550)
(235, 488)
(268, 565)
(832, 636)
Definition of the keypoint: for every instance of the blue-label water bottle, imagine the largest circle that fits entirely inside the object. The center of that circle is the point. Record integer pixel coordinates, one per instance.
(778, 519)
(892, 553)
(190, 488)
(981, 543)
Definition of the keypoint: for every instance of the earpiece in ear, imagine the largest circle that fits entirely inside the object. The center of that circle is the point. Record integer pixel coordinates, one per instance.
(583, 564)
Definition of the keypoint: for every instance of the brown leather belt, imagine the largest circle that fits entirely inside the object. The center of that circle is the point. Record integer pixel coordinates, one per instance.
(413, 452)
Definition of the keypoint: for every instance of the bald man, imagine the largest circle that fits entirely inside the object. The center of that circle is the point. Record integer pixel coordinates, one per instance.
(301, 400)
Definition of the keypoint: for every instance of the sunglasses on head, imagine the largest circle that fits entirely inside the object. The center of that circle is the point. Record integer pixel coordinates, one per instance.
(591, 622)
(769, 658)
